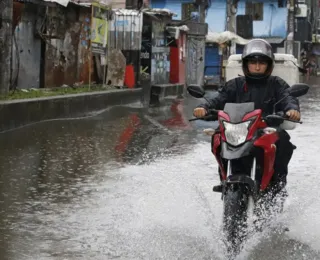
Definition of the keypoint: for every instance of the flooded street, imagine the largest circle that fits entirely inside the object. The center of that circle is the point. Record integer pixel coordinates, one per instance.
(133, 184)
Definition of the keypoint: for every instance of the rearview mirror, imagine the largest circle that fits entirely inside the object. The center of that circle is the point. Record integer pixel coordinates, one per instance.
(298, 90)
(196, 91)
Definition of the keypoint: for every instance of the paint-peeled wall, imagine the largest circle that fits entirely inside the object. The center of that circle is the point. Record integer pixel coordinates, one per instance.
(26, 54)
(62, 47)
(67, 57)
(274, 22)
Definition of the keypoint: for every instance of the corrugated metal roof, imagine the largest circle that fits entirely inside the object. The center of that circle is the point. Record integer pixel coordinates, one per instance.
(79, 2)
(60, 2)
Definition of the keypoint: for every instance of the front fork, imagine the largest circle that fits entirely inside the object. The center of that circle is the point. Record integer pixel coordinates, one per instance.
(244, 180)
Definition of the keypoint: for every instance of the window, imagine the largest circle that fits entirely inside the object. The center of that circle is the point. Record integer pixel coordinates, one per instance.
(188, 10)
(255, 10)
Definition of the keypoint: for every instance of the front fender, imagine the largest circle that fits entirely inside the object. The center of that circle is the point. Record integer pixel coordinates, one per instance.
(242, 180)
(229, 153)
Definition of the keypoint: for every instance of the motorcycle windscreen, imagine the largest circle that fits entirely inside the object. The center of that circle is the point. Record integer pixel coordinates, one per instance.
(237, 111)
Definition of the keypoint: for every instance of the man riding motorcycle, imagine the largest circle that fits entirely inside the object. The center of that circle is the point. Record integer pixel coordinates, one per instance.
(258, 86)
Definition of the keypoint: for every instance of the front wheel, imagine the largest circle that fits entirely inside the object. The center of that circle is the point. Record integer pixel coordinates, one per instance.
(235, 217)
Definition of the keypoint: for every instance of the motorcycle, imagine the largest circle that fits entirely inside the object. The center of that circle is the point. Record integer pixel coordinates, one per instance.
(246, 140)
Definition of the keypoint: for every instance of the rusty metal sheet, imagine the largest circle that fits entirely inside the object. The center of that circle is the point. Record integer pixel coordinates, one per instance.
(83, 49)
(61, 55)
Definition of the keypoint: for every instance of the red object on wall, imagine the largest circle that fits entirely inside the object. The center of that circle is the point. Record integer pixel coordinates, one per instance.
(177, 60)
(174, 64)
(16, 15)
(129, 78)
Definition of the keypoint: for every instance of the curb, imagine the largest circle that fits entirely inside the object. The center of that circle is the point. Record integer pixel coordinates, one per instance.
(160, 91)
(17, 113)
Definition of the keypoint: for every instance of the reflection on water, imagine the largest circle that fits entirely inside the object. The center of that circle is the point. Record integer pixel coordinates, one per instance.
(51, 164)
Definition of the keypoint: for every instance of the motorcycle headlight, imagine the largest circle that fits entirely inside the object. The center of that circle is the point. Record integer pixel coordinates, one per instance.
(236, 134)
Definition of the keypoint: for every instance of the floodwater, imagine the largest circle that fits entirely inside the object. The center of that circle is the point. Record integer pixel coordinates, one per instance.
(134, 184)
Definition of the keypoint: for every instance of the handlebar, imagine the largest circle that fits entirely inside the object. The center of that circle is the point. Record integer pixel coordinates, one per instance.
(208, 117)
(280, 116)
(211, 115)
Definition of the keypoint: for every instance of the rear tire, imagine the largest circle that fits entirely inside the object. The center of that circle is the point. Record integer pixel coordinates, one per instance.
(235, 218)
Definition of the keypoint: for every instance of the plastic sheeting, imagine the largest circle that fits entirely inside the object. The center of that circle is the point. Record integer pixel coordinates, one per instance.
(220, 38)
(162, 11)
(174, 31)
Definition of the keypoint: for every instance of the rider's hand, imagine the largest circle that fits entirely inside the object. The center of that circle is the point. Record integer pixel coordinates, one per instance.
(199, 112)
(293, 115)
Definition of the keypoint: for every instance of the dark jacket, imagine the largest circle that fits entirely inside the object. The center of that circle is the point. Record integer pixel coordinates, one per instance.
(264, 93)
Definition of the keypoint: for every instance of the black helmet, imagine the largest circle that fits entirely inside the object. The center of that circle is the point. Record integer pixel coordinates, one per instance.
(257, 49)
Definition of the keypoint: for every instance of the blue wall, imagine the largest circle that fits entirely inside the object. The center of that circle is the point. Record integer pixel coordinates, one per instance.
(216, 17)
(212, 60)
(172, 5)
(274, 22)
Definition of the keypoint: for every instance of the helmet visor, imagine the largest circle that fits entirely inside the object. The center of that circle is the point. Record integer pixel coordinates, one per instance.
(257, 48)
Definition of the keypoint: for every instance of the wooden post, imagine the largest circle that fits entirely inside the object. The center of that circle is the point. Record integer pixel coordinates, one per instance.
(90, 58)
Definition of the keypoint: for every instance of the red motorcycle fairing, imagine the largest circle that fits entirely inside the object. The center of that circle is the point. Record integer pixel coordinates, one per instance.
(223, 116)
(267, 143)
(257, 123)
(216, 145)
(221, 149)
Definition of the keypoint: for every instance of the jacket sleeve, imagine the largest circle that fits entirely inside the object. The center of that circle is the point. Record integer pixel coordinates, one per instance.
(289, 102)
(226, 94)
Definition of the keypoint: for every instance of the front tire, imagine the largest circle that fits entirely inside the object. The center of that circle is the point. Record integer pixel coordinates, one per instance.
(235, 217)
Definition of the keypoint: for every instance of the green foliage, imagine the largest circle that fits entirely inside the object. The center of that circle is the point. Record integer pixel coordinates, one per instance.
(49, 92)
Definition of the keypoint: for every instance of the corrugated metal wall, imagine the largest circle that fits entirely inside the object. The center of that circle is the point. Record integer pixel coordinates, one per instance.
(125, 30)
(27, 48)
(125, 33)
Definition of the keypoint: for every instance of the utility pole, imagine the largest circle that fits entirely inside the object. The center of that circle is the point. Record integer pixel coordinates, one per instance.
(291, 26)
(202, 12)
(231, 21)
(5, 44)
